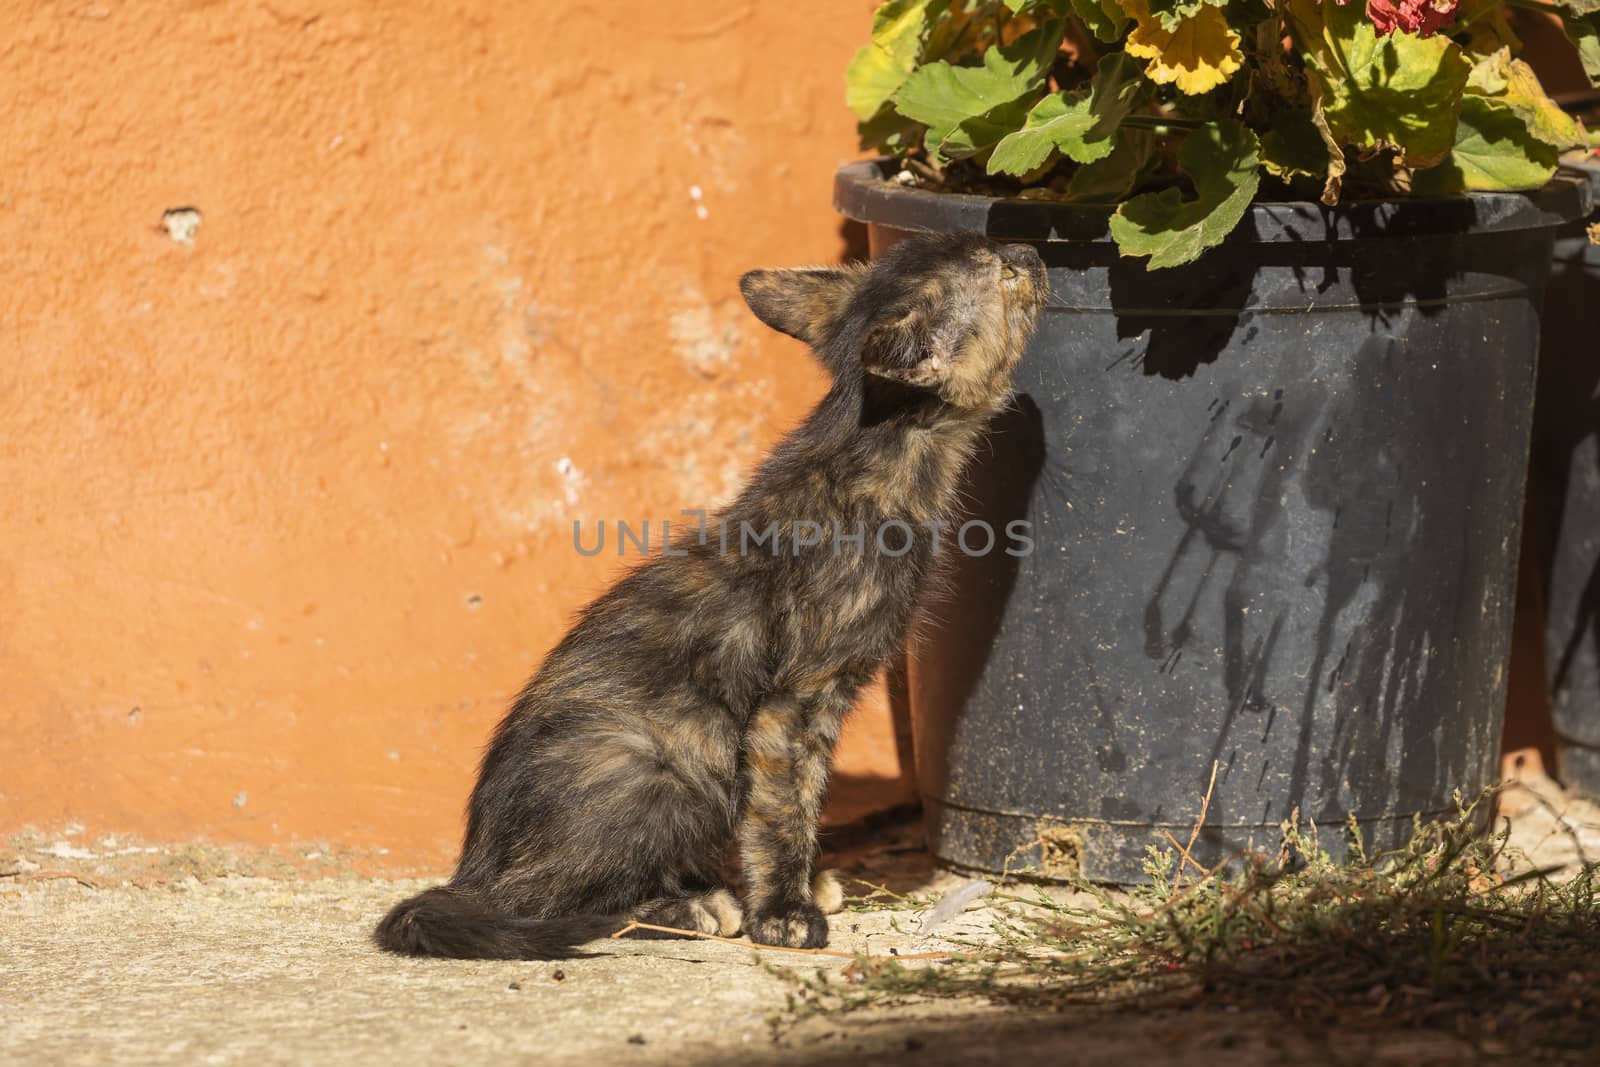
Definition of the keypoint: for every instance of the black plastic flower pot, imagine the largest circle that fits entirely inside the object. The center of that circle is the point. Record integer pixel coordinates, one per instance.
(1565, 475)
(1274, 498)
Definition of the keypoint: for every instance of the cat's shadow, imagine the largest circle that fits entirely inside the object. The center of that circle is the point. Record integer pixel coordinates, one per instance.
(950, 661)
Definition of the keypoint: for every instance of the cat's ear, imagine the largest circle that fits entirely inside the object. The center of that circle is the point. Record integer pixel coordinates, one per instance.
(907, 350)
(802, 301)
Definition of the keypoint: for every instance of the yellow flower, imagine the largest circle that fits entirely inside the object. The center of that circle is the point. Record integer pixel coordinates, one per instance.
(1198, 56)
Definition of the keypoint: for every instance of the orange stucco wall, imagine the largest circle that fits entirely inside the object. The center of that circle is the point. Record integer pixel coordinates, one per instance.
(287, 510)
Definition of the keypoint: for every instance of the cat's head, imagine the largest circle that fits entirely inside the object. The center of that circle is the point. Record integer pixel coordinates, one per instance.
(945, 313)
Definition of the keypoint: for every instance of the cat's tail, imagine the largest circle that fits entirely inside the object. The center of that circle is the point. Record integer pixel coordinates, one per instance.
(453, 923)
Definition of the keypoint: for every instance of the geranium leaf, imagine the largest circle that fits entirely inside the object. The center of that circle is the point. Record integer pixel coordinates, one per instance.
(1104, 18)
(881, 67)
(1511, 83)
(1171, 13)
(1221, 159)
(1493, 151)
(1486, 26)
(888, 131)
(1115, 176)
(1198, 54)
(1401, 91)
(1584, 32)
(1334, 182)
(980, 133)
(1294, 147)
(968, 109)
(1078, 124)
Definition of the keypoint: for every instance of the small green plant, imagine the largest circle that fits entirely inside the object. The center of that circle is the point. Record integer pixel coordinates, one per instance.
(877, 898)
(1180, 113)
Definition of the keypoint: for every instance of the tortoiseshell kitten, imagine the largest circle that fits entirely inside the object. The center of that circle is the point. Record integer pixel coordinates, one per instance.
(698, 701)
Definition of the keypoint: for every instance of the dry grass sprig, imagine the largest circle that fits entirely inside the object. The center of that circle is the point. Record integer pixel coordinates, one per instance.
(1447, 933)
(699, 936)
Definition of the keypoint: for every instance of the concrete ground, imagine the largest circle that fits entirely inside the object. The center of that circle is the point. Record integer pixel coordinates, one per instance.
(252, 970)
(180, 959)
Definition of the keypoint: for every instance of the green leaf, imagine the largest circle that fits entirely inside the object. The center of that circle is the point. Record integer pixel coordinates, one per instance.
(1117, 175)
(1481, 27)
(1491, 75)
(1494, 151)
(888, 131)
(1171, 13)
(1221, 160)
(1400, 91)
(1294, 146)
(1511, 83)
(982, 132)
(1078, 124)
(1104, 18)
(970, 108)
(1584, 32)
(880, 68)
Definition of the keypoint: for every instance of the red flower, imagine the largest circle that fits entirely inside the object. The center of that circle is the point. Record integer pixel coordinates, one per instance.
(1421, 17)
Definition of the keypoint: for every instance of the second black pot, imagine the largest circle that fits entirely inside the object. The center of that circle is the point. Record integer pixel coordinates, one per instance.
(1566, 498)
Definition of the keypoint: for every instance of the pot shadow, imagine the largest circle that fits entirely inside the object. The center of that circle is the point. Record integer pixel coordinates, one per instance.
(1176, 343)
(1182, 317)
(1369, 689)
(965, 614)
(854, 244)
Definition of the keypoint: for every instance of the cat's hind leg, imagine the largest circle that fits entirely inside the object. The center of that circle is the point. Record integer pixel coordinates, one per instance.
(827, 893)
(713, 912)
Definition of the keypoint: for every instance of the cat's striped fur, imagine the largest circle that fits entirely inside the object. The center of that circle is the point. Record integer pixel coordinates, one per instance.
(696, 704)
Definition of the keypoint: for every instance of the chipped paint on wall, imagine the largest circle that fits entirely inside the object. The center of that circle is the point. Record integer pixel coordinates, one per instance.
(703, 336)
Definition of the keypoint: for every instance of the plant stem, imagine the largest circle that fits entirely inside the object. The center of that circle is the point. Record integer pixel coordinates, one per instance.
(1160, 125)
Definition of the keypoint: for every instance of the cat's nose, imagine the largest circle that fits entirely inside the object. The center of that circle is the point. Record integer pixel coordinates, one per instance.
(1025, 258)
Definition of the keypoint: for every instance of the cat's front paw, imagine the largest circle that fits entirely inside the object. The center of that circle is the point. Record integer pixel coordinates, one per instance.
(799, 926)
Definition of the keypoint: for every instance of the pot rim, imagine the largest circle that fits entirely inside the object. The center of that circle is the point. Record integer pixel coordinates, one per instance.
(866, 191)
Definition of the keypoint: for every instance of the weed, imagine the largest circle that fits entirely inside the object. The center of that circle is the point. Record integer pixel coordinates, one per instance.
(1453, 931)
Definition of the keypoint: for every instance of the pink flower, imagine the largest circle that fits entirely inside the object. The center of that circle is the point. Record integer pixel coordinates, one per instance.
(1421, 17)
